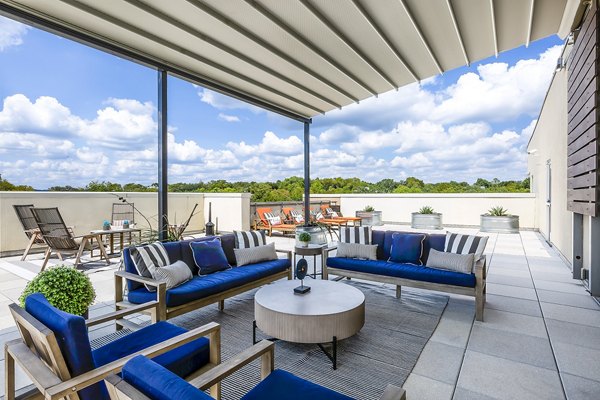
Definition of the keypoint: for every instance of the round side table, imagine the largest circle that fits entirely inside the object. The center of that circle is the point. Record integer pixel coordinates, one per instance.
(312, 250)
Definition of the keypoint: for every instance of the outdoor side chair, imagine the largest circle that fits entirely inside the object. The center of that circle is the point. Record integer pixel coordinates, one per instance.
(60, 238)
(30, 227)
(55, 351)
(143, 379)
(122, 212)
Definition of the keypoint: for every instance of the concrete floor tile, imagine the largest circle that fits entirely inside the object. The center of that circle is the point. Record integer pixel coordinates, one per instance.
(567, 332)
(511, 272)
(464, 394)
(576, 360)
(576, 315)
(509, 280)
(568, 299)
(551, 276)
(454, 326)
(440, 362)
(511, 291)
(421, 387)
(512, 346)
(574, 286)
(578, 388)
(517, 323)
(512, 304)
(500, 378)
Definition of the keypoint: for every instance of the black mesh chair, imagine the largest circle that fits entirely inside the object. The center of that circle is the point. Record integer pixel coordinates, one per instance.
(30, 227)
(60, 238)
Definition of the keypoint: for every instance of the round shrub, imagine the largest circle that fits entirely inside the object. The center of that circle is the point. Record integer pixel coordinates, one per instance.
(65, 288)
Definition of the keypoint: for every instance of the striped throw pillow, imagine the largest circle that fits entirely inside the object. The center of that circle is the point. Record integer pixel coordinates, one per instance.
(148, 258)
(466, 244)
(246, 239)
(297, 215)
(332, 213)
(273, 219)
(319, 216)
(356, 234)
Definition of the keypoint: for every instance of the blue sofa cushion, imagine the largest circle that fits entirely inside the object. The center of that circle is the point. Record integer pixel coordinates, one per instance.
(207, 285)
(209, 256)
(158, 383)
(407, 271)
(407, 248)
(283, 385)
(378, 238)
(182, 360)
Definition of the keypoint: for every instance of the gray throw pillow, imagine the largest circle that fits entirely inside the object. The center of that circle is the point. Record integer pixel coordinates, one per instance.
(255, 254)
(462, 263)
(174, 274)
(357, 250)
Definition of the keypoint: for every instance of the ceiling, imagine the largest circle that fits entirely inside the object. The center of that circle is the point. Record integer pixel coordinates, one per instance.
(301, 58)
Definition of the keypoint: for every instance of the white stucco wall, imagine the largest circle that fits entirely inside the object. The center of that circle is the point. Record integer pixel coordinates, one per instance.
(230, 211)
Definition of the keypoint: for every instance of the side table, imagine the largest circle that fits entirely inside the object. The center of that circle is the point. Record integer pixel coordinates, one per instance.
(313, 250)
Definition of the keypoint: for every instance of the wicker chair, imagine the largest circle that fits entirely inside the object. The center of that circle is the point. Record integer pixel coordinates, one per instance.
(60, 239)
(30, 227)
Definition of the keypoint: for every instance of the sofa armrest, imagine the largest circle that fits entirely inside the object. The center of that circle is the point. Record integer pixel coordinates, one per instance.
(161, 292)
(480, 268)
(141, 279)
(330, 249)
(288, 253)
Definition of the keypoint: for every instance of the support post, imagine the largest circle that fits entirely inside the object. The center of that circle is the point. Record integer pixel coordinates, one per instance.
(307, 171)
(594, 278)
(577, 260)
(162, 155)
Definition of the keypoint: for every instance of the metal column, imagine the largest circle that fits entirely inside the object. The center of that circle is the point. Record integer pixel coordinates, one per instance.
(307, 171)
(594, 278)
(577, 260)
(163, 219)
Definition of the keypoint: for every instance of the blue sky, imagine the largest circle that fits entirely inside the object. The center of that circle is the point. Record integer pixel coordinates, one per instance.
(71, 114)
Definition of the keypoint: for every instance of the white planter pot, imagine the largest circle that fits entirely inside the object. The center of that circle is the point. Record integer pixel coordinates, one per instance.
(318, 235)
(426, 221)
(370, 218)
(505, 224)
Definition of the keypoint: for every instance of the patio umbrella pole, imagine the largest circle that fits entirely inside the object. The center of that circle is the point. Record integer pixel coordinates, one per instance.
(307, 171)
(162, 156)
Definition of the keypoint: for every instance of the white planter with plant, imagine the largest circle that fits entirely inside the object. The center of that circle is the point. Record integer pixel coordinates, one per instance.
(498, 220)
(426, 218)
(370, 216)
(304, 238)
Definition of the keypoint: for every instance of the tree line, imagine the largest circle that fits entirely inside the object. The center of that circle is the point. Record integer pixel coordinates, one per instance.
(292, 189)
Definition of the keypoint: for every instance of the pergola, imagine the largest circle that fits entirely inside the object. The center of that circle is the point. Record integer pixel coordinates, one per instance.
(298, 58)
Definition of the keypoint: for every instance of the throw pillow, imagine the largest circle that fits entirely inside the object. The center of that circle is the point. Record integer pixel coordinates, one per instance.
(466, 244)
(462, 263)
(357, 250)
(407, 248)
(174, 274)
(245, 239)
(273, 219)
(356, 234)
(209, 256)
(319, 216)
(297, 216)
(255, 254)
(332, 213)
(148, 258)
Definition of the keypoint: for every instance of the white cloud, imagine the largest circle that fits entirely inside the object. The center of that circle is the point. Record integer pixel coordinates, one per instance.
(222, 102)
(270, 144)
(228, 118)
(11, 33)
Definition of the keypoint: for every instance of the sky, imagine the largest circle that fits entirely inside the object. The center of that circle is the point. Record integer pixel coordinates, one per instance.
(71, 114)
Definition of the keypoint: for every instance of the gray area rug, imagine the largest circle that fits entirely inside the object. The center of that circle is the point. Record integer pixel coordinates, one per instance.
(384, 351)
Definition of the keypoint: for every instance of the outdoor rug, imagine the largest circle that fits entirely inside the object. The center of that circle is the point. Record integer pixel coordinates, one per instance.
(384, 351)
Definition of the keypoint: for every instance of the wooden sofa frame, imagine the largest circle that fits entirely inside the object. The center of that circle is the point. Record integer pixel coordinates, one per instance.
(265, 350)
(478, 291)
(40, 357)
(165, 312)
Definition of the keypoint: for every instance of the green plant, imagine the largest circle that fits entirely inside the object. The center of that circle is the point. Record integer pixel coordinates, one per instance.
(64, 287)
(369, 209)
(426, 210)
(304, 237)
(498, 211)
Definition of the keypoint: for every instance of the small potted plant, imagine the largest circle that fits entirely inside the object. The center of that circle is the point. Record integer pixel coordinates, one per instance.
(370, 216)
(64, 287)
(106, 225)
(426, 218)
(498, 220)
(304, 238)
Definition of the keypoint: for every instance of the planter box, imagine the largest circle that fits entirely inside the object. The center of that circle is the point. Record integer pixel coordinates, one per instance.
(370, 218)
(426, 221)
(318, 235)
(506, 224)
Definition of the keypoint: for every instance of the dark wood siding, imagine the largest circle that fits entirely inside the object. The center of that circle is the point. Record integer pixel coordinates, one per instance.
(583, 180)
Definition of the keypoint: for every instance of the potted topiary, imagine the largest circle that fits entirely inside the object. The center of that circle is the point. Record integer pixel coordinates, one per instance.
(498, 220)
(370, 216)
(64, 287)
(304, 238)
(426, 218)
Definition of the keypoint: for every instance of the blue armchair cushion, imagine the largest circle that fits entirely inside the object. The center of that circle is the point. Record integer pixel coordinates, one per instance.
(209, 256)
(158, 383)
(407, 248)
(283, 385)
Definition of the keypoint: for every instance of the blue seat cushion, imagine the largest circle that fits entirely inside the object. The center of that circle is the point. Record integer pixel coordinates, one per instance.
(182, 360)
(407, 271)
(207, 285)
(283, 385)
(209, 256)
(158, 383)
(407, 248)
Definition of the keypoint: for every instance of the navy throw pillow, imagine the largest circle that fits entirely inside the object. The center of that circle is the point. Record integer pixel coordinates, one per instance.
(407, 248)
(209, 256)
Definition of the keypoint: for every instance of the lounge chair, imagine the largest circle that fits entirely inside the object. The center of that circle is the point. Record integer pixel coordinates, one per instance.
(329, 213)
(333, 222)
(292, 215)
(30, 227)
(268, 220)
(60, 239)
(143, 379)
(55, 352)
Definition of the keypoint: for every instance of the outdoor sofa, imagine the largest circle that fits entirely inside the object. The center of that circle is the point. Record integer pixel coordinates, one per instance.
(200, 290)
(408, 274)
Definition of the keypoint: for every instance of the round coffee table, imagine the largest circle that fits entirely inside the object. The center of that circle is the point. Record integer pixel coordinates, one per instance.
(331, 311)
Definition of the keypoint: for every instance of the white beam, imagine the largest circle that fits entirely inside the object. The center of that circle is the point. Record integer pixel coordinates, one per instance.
(494, 33)
(458, 34)
(530, 27)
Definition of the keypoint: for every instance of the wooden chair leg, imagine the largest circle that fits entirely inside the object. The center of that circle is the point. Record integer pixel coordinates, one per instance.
(215, 357)
(398, 291)
(46, 258)
(221, 305)
(26, 252)
(9, 376)
(102, 249)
